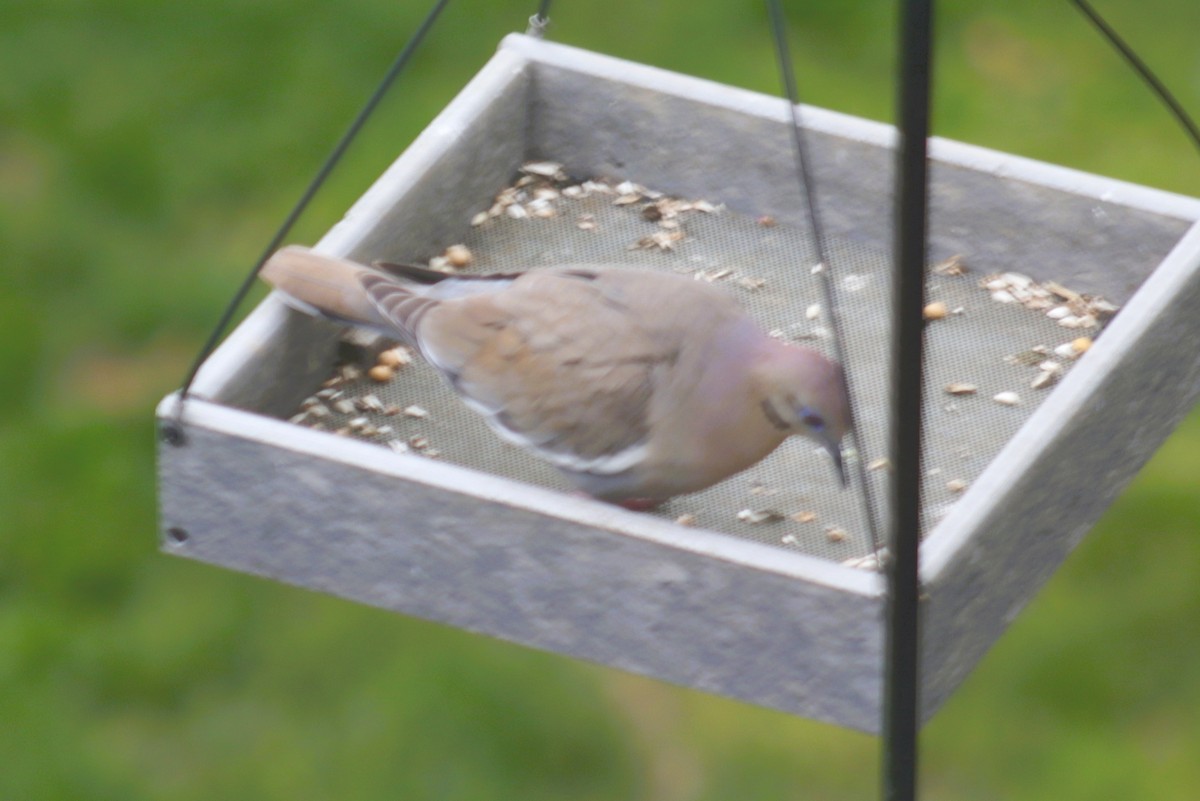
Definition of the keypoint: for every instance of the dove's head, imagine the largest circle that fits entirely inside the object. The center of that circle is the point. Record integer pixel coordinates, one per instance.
(805, 393)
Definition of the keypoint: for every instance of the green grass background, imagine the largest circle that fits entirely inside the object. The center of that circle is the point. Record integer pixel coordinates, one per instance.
(147, 152)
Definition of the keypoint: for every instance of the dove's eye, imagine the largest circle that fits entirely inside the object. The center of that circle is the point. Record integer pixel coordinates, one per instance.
(812, 419)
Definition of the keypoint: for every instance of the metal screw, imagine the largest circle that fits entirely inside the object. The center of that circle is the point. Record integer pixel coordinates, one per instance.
(172, 434)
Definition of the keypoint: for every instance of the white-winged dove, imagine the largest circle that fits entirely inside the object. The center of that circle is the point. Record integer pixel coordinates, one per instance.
(637, 385)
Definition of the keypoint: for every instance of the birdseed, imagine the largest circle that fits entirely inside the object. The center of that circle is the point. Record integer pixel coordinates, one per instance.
(754, 257)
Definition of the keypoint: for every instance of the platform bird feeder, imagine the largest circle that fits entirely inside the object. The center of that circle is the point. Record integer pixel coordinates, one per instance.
(1062, 349)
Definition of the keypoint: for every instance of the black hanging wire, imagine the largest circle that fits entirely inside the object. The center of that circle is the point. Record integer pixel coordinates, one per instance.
(174, 434)
(1142, 69)
(902, 664)
(808, 184)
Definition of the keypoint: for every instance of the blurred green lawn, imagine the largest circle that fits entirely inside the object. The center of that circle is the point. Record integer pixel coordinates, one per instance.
(148, 150)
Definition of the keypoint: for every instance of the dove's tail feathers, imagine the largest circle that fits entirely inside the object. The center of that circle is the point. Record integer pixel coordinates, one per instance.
(396, 304)
(411, 272)
(445, 286)
(322, 285)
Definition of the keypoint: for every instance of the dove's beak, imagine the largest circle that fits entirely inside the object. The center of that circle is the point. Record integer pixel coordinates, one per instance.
(839, 464)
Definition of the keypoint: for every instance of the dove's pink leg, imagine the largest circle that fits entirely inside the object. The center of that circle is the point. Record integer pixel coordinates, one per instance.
(640, 504)
(632, 504)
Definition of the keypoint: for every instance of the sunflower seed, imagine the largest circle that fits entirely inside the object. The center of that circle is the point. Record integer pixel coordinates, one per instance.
(1007, 398)
(755, 516)
(381, 373)
(459, 256)
(546, 169)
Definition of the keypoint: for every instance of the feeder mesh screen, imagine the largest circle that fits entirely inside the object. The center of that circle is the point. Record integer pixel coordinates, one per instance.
(791, 499)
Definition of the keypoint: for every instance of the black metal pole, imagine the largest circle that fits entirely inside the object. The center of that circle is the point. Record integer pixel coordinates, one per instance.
(902, 673)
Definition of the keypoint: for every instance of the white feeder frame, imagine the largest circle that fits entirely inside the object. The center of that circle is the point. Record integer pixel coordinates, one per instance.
(699, 608)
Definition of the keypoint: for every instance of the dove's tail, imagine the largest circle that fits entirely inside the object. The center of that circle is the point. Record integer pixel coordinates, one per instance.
(323, 285)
